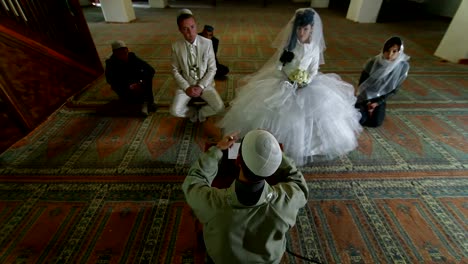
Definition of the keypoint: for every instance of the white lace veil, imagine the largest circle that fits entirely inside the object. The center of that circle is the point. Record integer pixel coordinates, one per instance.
(385, 75)
(286, 40)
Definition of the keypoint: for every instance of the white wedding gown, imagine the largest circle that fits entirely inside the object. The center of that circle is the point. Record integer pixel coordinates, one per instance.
(317, 119)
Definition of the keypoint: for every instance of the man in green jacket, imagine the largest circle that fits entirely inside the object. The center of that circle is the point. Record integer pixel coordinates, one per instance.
(247, 222)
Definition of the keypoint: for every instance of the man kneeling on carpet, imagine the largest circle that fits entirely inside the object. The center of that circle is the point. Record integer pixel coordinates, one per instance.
(247, 222)
(130, 77)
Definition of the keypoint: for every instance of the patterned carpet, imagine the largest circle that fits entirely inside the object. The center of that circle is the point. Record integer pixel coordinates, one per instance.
(80, 143)
(365, 221)
(439, 89)
(93, 186)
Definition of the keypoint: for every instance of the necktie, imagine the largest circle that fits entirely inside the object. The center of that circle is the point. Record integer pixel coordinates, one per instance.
(193, 62)
(193, 55)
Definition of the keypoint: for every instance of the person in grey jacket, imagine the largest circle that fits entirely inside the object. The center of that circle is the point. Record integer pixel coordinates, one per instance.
(247, 222)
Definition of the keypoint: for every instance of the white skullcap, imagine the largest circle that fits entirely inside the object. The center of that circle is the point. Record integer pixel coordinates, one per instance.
(118, 44)
(261, 152)
(185, 11)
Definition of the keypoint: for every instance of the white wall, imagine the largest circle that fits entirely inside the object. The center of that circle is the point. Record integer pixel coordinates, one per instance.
(158, 3)
(454, 44)
(364, 11)
(117, 10)
(319, 3)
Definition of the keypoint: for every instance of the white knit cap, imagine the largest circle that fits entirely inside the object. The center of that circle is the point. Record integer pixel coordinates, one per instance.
(118, 44)
(185, 11)
(261, 152)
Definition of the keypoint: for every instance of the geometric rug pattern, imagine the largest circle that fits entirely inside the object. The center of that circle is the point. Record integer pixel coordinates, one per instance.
(418, 88)
(366, 221)
(80, 143)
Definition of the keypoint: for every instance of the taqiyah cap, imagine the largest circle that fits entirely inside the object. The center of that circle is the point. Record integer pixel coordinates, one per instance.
(118, 44)
(185, 11)
(261, 152)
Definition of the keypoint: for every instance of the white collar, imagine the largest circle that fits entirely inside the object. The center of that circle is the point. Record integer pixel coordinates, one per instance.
(195, 42)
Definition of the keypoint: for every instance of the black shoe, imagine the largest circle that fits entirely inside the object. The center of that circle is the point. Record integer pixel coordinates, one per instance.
(220, 77)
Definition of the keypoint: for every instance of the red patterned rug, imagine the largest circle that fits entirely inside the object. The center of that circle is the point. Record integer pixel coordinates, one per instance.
(345, 221)
(85, 144)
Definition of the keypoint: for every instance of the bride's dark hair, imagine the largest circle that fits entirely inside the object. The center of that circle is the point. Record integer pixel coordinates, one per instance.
(302, 19)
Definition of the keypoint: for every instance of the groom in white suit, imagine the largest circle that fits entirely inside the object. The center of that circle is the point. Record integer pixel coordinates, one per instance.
(194, 68)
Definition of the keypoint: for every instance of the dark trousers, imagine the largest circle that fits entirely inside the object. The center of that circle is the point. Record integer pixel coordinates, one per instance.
(221, 70)
(144, 94)
(377, 117)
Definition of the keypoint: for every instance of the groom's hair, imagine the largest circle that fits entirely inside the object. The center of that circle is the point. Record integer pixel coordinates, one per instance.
(182, 17)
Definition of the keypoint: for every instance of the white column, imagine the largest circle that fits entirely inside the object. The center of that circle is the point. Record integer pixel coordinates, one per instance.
(364, 11)
(158, 3)
(117, 10)
(319, 3)
(454, 44)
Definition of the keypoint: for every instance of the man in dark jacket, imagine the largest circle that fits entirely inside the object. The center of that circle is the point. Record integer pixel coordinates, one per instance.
(208, 32)
(130, 77)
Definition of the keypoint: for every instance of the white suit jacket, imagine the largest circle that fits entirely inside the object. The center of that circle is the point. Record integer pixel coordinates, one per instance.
(206, 63)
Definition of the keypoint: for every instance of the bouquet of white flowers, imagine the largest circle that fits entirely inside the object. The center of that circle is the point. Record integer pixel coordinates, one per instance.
(301, 77)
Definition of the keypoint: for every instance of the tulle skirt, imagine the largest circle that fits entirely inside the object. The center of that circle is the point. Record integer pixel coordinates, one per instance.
(318, 119)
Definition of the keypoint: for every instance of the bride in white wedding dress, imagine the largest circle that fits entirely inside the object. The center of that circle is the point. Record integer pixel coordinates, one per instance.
(309, 112)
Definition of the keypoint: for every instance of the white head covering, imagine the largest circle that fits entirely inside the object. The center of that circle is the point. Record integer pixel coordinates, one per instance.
(261, 153)
(384, 76)
(118, 44)
(282, 41)
(185, 11)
